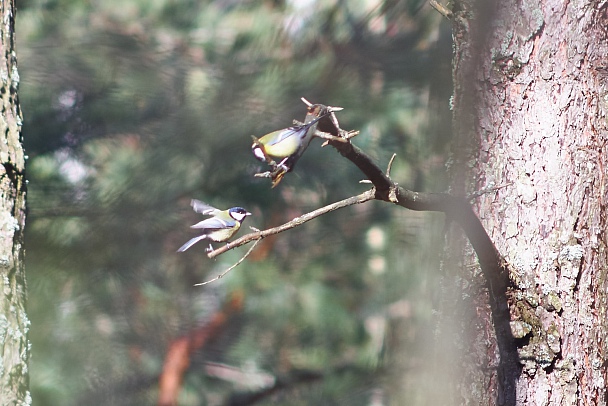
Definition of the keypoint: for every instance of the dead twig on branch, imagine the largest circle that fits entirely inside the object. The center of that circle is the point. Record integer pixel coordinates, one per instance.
(220, 276)
(441, 9)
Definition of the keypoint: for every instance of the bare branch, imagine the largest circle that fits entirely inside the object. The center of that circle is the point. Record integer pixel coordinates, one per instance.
(328, 137)
(441, 9)
(220, 276)
(455, 207)
(306, 102)
(298, 221)
(390, 165)
(350, 134)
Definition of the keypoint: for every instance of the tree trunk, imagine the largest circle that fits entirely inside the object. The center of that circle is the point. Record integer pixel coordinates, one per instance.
(530, 103)
(14, 323)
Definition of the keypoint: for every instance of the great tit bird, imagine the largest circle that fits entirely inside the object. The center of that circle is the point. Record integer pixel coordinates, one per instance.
(219, 228)
(286, 145)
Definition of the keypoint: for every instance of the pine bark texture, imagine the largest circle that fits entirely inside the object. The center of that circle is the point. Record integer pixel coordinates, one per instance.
(14, 323)
(530, 114)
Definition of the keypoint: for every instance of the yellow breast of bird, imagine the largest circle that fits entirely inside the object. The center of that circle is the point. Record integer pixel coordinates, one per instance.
(281, 144)
(223, 234)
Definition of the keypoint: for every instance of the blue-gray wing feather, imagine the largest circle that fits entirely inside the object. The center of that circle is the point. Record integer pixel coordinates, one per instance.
(214, 223)
(283, 135)
(202, 207)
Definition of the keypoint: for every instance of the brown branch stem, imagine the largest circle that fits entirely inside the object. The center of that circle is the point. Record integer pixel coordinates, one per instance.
(298, 221)
(459, 210)
(221, 275)
(456, 208)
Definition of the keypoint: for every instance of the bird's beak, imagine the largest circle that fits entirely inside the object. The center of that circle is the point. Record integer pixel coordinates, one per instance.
(248, 214)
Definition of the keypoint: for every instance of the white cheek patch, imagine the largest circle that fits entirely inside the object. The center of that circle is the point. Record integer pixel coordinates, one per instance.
(238, 216)
(257, 151)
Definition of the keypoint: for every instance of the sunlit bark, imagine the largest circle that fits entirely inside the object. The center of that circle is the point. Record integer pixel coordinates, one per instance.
(14, 323)
(530, 102)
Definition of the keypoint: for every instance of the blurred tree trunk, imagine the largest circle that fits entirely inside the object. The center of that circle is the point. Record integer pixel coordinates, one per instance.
(530, 103)
(14, 323)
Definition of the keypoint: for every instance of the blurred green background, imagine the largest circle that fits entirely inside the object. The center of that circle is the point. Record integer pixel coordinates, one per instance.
(132, 108)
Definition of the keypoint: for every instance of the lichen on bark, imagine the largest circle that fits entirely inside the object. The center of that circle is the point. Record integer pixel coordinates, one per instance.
(14, 323)
(530, 112)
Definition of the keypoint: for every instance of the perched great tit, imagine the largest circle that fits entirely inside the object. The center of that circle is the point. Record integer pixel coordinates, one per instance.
(219, 228)
(286, 145)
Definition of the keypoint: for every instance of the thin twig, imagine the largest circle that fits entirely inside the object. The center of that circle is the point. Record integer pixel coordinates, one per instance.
(441, 9)
(390, 165)
(220, 276)
(347, 135)
(328, 137)
(258, 235)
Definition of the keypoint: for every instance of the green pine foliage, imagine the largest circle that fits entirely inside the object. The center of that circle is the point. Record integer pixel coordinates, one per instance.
(134, 107)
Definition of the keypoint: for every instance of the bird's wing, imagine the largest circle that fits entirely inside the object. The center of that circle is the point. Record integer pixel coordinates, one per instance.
(298, 131)
(202, 207)
(191, 242)
(301, 131)
(214, 223)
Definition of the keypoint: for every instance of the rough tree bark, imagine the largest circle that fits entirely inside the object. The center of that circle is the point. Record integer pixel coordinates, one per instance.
(530, 103)
(14, 323)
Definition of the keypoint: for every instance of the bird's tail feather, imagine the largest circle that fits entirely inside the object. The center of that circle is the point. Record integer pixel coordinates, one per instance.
(191, 242)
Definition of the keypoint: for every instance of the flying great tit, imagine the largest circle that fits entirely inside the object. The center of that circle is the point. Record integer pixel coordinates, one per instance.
(286, 145)
(219, 228)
